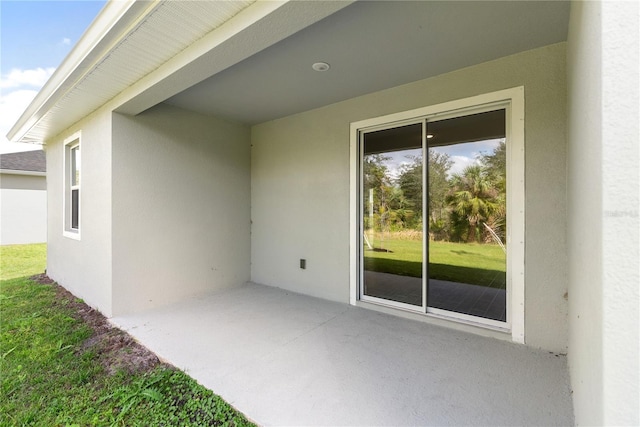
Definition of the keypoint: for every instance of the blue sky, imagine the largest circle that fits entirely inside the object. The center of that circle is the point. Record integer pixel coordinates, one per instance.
(35, 37)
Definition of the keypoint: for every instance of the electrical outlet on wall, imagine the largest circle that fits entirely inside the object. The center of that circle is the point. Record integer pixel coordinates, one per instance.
(303, 263)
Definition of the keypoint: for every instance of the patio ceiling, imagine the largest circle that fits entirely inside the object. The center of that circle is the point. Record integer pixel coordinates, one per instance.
(372, 46)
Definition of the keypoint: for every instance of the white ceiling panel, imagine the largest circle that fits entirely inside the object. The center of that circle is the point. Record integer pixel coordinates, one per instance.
(372, 46)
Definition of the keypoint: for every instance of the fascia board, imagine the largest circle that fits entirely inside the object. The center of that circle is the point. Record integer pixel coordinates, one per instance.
(103, 33)
(20, 172)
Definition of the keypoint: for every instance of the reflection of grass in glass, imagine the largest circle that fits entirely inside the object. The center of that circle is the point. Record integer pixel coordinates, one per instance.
(472, 263)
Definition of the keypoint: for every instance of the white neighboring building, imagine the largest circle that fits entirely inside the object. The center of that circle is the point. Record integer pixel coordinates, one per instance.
(23, 198)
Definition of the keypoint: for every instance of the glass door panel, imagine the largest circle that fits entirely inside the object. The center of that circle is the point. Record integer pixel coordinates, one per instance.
(392, 240)
(467, 215)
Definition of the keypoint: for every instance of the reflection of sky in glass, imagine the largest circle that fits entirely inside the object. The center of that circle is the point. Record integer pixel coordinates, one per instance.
(462, 155)
(75, 165)
(466, 154)
(399, 158)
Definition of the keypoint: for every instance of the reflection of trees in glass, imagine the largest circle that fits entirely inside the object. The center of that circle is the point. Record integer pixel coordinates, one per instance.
(410, 183)
(376, 183)
(387, 207)
(496, 166)
(477, 196)
(458, 205)
(439, 165)
(472, 199)
(401, 212)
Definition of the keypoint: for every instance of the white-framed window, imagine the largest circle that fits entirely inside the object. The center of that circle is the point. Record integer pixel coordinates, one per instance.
(437, 212)
(71, 184)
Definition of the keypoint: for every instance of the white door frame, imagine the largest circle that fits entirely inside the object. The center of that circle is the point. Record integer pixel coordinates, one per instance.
(512, 100)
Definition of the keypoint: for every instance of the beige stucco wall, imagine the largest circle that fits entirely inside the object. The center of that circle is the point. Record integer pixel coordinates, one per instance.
(603, 227)
(585, 211)
(181, 194)
(83, 266)
(23, 209)
(621, 206)
(300, 185)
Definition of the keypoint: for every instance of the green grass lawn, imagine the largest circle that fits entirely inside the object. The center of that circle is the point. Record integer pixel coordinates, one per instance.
(22, 260)
(476, 264)
(50, 376)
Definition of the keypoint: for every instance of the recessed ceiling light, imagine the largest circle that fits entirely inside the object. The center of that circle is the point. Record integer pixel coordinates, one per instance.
(321, 66)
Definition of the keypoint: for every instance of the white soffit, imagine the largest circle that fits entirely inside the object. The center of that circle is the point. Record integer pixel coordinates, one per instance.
(137, 54)
(126, 42)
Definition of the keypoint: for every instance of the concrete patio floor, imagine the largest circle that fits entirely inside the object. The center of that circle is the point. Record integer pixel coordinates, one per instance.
(287, 359)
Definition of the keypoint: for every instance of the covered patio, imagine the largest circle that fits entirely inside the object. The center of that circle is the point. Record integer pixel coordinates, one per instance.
(221, 145)
(287, 359)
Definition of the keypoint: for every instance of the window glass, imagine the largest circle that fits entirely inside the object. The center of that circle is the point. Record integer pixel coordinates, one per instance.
(75, 209)
(75, 166)
(72, 196)
(468, 215)
(392, 214)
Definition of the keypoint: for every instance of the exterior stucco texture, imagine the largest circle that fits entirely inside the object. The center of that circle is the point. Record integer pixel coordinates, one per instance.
(603, 177)
(180, 207)
(83, 266)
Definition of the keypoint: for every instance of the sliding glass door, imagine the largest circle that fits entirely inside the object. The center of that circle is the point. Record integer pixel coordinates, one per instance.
(392, 188)
(467, 215)
(433, 215)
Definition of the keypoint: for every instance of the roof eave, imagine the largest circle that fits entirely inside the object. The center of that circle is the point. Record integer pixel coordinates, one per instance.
(253, 29)
(103, 32)
(21, 172)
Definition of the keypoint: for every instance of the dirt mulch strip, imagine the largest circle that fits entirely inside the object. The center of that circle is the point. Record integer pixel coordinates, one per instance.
(116, 350)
